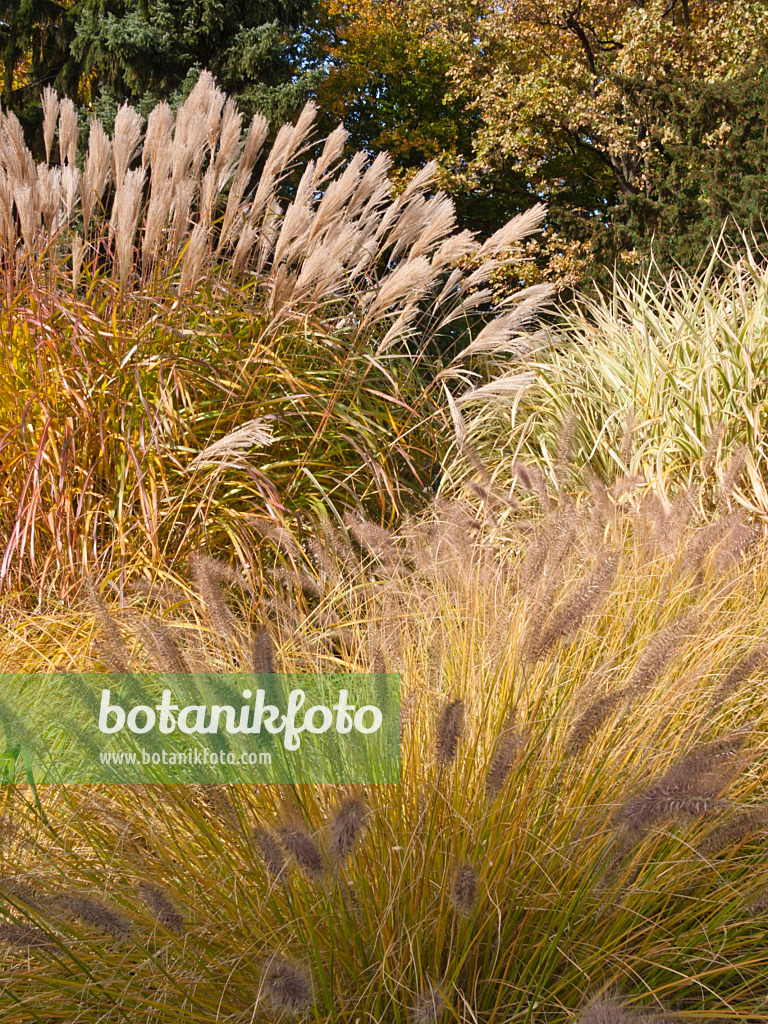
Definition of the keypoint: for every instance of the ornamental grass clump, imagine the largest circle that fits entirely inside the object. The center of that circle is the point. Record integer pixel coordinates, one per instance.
(682, 363)
(211, 325)
(579, 836)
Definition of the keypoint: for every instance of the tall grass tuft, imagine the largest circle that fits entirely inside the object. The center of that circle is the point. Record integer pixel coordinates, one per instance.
(200, 327)
(575, 837)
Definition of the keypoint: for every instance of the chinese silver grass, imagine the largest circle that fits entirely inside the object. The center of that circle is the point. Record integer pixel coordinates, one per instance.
(158, 141)
(97, 169)
(255, 433)
(194, 257)
(126, 138)
(50, 102)
(68, 131)
(128, 202)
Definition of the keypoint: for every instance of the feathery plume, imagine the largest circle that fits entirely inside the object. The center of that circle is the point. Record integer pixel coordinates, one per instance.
(97, 166)
(464, 889)
(50, 117)
(448, 730)
(270, 850)
(113, 650)
(287, 986)
(508, 748)
(297, 842)
(162, 906)
(25, 936)
(192, 263)
(739, 674)
(158, 142)
(158, 638)
(68, 132)
(735, 831)
(127, 203)
(587, 597)
(654, 659)
(209, 573)
(429, 1006)
(346, 825)
(127, 136)
(95, 913)
(253, 434)
(606, 1010)
(263, 660)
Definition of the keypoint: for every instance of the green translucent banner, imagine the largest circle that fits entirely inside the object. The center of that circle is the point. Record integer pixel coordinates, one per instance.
(75, 729)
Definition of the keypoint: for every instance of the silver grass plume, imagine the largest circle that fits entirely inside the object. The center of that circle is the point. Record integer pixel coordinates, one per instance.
(256, 433)
(158, 140)
(50, 103)
(97, 167)
(68, 131)
(287, 986)
(127, 202)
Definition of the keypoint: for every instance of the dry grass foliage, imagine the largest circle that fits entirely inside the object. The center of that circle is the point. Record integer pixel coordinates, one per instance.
(580, 830)
(207, 310)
